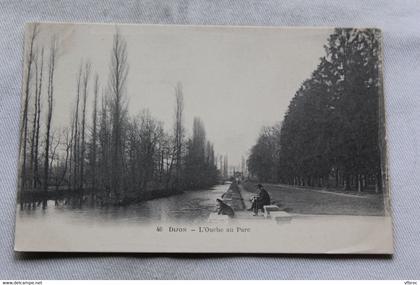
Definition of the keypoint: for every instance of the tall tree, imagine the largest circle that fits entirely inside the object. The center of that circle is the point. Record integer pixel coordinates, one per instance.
(226, 167)
(75, 128)
(331, 127)
(117, 81)
(104, 137)
(200, 170)
(33, 33)
(179, 131)
(85, 82)
(94, 137)
(50, 100)
(39, 65)
(263, 159)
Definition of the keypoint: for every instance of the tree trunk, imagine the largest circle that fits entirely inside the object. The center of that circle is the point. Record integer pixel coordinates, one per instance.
(49, 116)
(359, 183)
(378, 185)
(94, 137)
(76, 134)
(347, 182)
(32, 156)
(83, 142)
(24, 124)
(36, 171)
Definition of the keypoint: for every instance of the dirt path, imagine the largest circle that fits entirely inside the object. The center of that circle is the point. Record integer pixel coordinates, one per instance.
(234, 198)
(320, 202)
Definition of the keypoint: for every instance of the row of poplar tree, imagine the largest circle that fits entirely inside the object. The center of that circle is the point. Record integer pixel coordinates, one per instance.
(106, 154)
(331, 134)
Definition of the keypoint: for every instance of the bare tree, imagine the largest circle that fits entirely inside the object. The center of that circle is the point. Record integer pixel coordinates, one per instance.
(104, 138)
(179, 131)
(68, 136)
(225, 167)
(76, 132)
(117, 81)
(35, 121)
(83, 134)
(94, 138)
(38, 118)
(54, 155)
(24, 124)
(33, 132)
(50, 97)
(150, 133)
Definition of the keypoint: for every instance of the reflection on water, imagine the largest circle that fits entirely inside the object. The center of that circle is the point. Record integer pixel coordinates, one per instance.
(191, 206)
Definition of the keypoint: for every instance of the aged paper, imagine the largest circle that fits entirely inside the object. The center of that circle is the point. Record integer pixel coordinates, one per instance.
(155, 138)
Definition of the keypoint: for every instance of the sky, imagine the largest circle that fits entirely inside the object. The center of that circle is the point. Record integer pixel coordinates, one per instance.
(237, 80)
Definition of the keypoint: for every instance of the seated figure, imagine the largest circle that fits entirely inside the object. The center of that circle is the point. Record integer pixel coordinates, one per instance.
(259, 201)
(224, 209)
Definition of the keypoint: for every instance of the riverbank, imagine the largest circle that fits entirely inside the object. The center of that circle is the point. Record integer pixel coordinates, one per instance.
(319, 202)
(187, 207)
(133, 229)
(72, 197)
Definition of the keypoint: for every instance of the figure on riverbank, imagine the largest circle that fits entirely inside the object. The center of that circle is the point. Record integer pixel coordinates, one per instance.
(224, 209)
(259, 201)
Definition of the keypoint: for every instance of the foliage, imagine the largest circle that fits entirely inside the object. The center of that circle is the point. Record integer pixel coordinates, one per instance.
(331, 128)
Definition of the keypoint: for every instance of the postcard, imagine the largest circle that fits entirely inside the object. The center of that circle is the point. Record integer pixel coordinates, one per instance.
(210, 139)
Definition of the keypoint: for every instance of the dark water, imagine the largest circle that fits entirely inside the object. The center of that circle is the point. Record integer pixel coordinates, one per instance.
(191, 206)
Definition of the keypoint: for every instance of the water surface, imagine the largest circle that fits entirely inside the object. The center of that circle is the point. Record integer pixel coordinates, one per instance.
(190, 206)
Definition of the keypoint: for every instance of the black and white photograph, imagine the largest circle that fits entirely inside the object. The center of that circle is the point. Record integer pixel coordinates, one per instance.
(217, 139)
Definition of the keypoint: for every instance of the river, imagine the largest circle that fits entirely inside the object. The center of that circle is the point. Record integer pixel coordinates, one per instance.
(146, 227)
(190, 206)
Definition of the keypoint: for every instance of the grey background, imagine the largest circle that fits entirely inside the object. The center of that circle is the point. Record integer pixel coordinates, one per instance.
(400, 21)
